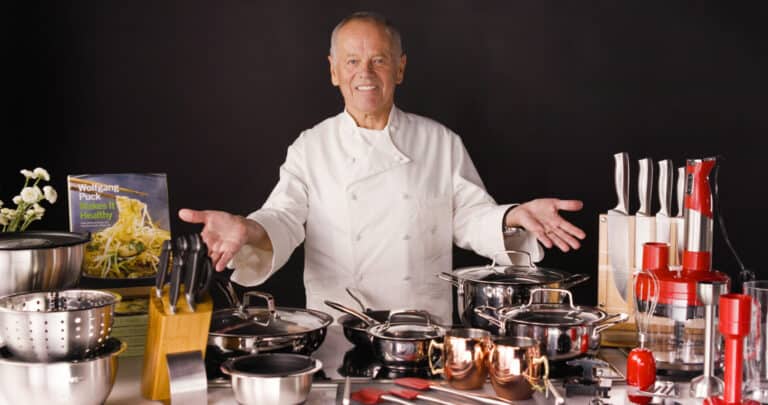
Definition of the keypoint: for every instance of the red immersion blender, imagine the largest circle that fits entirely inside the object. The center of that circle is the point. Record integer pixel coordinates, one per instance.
(676, 332)
(735, 312)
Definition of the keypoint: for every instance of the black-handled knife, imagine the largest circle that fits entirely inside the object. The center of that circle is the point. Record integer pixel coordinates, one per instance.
(197, 273)
(179, 255)
(162, 268)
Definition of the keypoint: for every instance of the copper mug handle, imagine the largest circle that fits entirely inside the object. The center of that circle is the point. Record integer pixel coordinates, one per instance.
(432, 344)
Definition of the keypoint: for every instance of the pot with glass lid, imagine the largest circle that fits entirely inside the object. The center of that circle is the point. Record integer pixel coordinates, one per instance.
(497, 286)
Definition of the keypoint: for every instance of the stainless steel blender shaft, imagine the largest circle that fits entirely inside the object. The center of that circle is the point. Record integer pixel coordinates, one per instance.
(708, 385)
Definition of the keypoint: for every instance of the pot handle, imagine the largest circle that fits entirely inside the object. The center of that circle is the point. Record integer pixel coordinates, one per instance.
(451, 278)
(545, 377)
(270, 305)
(518, 252)
(480, 311)
(226, 367)
(559, 290)
(574, 279)
(430, 351)
(610, 321)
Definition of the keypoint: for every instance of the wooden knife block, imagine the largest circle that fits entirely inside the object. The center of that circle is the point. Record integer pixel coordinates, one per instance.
(608, 297)
(171, 333)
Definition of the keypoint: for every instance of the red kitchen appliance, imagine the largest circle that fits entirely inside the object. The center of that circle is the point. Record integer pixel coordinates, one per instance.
(735, 312)
(676, 330)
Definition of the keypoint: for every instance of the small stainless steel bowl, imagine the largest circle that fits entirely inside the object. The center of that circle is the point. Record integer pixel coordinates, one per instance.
(83, 382)
(271, 378)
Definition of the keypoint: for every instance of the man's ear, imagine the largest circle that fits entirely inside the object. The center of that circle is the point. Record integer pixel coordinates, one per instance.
(334, 76)
(401, 70)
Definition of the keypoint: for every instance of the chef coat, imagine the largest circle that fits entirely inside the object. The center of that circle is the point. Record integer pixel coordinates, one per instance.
(378, 212)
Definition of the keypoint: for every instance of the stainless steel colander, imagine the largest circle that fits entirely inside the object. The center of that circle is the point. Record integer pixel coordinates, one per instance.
(56, 325)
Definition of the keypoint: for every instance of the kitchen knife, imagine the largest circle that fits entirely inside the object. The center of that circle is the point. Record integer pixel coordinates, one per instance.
(618, 233)
(162, 268)
(176, 274)
(192, 272)
(645, 224)
(676, 250)
(663, 222)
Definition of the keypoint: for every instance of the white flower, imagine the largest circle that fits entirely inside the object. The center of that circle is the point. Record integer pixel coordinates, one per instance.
(28, 174)
(31, 195)
(16, 200)
(38, 209)
(1, 203)
(7, 212)
(50, 194)
(3, 220)
(41, 173)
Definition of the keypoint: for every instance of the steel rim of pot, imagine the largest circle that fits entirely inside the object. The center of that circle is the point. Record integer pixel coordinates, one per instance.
(584, 316)
(34, 240)
(230, 366)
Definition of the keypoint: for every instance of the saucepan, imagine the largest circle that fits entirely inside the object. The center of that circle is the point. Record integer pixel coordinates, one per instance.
(565, 331)
(355, 327)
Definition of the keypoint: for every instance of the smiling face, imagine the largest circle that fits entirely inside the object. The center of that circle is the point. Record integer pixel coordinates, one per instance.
(366, 67)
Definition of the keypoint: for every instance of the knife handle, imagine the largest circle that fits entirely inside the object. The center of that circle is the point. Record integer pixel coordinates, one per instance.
(621, 181)
(680, 190)
(176, 273)
(644, 181)
(162, 268)
(666, 175)
(193, 268)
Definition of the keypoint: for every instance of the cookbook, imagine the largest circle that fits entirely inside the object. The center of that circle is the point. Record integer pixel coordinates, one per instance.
(127, 217)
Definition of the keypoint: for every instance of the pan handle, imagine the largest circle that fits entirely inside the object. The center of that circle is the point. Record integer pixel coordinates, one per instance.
(558, 290)
(517, 252)
(574, 279)
(451, 278)
(357, 314)
(499, 323)
(610, 321)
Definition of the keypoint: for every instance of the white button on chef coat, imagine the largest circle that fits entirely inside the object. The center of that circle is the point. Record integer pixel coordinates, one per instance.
(417, 193)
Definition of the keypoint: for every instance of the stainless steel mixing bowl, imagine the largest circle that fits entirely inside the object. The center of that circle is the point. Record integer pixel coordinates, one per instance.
(84, 382)
(271, 378)
(40, 260)
(56, 325)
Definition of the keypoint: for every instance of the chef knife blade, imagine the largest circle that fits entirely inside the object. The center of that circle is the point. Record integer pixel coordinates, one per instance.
(676, 251)
(663, 222)
(618, 232)
(162, 268)
(645, 224)
(176, 274)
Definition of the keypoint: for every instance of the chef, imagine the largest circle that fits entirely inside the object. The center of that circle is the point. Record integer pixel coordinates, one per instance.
(378, 196)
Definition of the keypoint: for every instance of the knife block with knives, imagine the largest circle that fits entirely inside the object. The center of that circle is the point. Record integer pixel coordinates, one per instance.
(621, 239)
(179, 316)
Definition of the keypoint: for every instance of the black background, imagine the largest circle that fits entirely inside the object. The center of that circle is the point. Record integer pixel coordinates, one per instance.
(542, 93)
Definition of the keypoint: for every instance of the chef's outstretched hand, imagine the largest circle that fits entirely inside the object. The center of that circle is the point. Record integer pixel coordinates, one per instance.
(225, 234)
(542, 218)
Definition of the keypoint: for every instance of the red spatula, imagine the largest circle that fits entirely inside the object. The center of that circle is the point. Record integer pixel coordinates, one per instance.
(372, 396)
(410, 394)
(422, 384)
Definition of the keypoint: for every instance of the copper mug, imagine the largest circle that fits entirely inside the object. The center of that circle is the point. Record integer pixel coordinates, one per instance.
(464, 355)
(517, 367)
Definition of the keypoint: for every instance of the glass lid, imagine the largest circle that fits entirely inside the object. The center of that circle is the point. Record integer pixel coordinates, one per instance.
(517, 274)
(266, 321)
(552, 314)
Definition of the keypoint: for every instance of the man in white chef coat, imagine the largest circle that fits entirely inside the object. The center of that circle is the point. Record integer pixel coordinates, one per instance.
(378, 196)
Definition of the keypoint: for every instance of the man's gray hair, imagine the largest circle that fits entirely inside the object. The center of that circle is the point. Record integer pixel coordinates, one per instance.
(394, 33)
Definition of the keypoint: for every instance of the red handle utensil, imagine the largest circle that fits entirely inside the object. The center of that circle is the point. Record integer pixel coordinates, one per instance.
(410, 394)
(422, 384)
(372, 396)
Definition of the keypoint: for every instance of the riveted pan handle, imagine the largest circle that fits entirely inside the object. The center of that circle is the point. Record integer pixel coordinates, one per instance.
(574, 279)
(451, 278)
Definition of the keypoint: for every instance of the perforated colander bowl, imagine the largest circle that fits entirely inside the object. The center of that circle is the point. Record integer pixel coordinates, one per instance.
(56, 325)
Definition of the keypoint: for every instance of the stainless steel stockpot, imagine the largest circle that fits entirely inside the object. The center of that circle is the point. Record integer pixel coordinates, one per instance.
(564, 331)
(84, 382)
(495, 286)
(40, 260)
(271, 378)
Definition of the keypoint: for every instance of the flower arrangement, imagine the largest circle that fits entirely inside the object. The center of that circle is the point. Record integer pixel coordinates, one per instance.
(28, 208)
